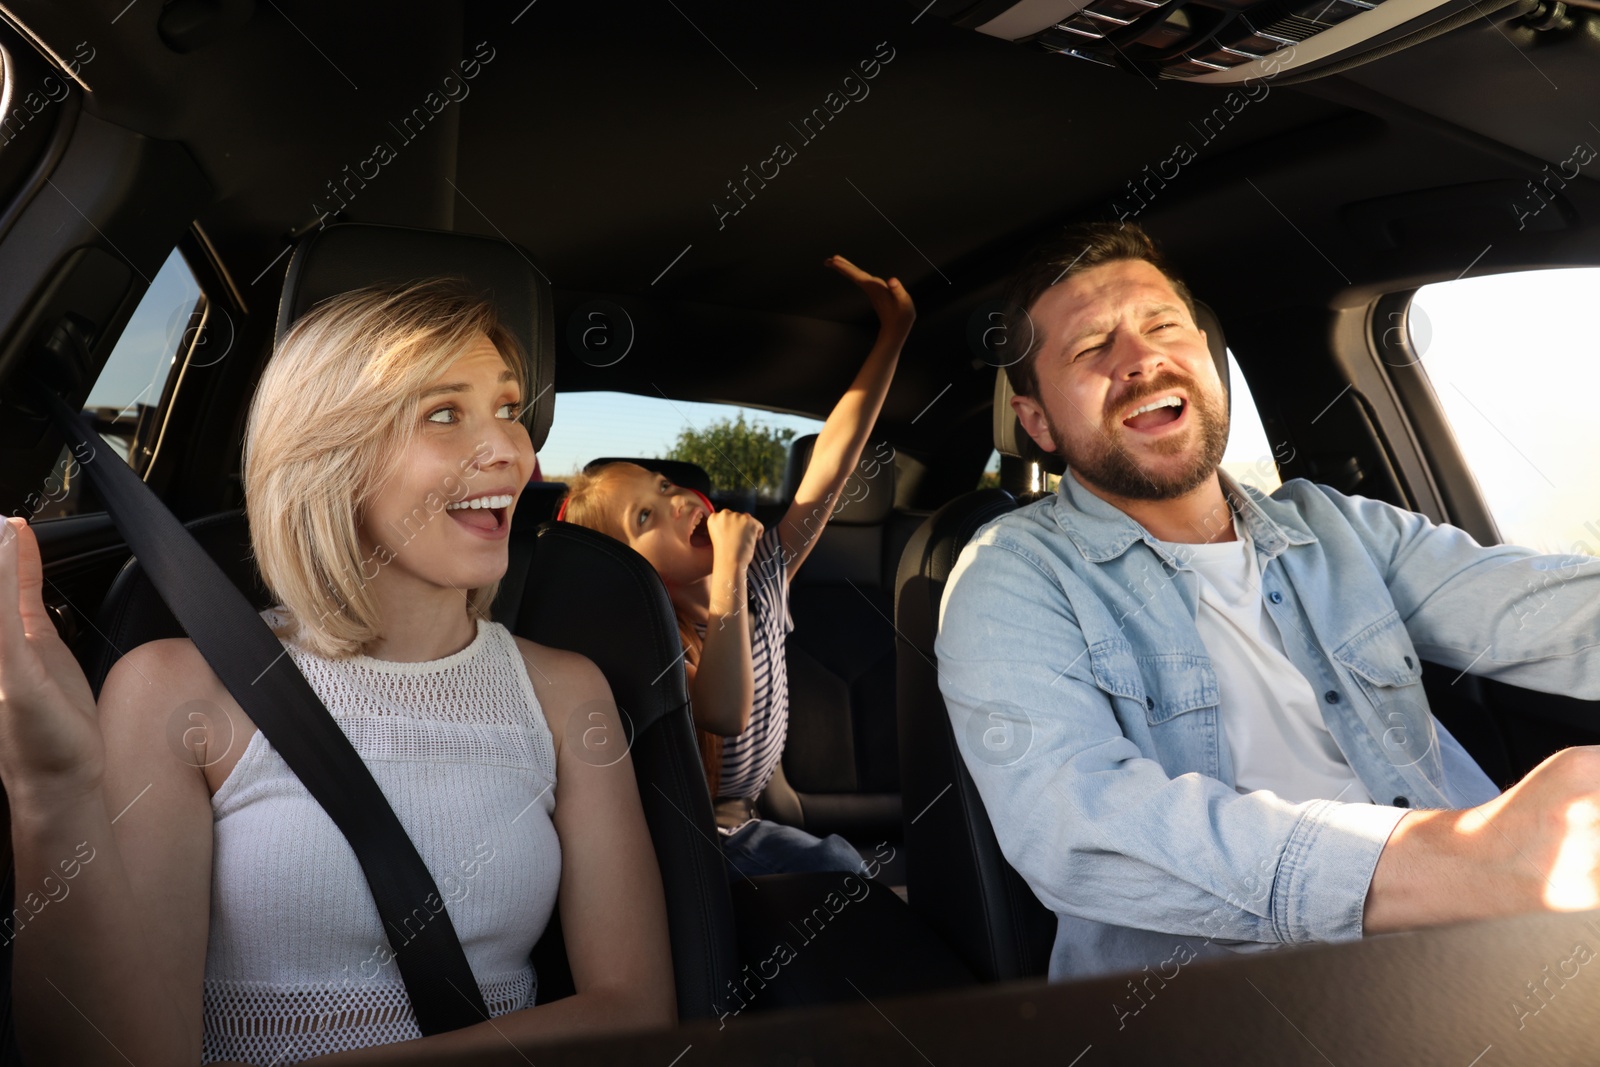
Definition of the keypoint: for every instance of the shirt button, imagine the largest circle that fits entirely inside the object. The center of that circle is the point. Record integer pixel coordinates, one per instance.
(1150, 703)
(1275, 596)
(1401, 802)
(1408, 663)
(1331, 696)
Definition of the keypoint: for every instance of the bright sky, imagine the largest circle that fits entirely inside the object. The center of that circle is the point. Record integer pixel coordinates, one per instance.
(138, 367)
(590, 425)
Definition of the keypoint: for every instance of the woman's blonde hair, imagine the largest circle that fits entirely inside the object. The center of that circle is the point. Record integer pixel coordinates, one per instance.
(333, 418)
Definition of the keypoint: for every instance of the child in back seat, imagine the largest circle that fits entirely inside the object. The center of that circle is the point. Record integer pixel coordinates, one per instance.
(729, 582)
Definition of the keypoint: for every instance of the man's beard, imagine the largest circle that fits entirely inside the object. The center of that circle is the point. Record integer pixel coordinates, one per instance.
(1104, 463)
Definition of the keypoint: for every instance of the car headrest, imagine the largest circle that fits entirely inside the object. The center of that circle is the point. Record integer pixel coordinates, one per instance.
(868, 494)
(678, 471)
(1010, 438)
(355, 255)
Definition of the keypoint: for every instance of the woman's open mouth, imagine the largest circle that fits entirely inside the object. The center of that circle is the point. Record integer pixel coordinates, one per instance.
(486, 516)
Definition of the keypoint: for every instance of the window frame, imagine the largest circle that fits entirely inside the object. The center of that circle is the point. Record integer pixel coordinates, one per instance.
(1461, 498)
(187, 345)
(188, 405)
(145, 451)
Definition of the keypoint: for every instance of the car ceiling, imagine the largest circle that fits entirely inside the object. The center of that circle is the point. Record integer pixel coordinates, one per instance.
(599, 136)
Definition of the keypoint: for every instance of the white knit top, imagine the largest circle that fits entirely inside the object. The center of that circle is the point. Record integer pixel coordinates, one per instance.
(297, 962)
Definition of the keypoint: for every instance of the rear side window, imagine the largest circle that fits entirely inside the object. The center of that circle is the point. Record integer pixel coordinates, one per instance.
(990, 478)
(744, 450)
(1251, 457)
(1513, 363)
(128, 401)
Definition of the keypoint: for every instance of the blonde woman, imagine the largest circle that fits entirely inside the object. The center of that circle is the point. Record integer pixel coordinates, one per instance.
(223, 917)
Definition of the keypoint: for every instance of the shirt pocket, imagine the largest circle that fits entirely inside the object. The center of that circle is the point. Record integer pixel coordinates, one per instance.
(1167, 684)
(1387, 669)
(1115, 672)
(1159, 692)
(1175, 684)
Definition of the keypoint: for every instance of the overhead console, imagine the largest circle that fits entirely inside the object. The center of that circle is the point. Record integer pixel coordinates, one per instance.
(1217, 41)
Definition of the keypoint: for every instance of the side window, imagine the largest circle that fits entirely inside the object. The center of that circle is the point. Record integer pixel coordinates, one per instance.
(128, 402)
(744, 450)
(990, 478)
(1250, 458)
(1497, 350)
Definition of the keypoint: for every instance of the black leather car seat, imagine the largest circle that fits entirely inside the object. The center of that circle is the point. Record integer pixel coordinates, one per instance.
(841, 766)
(589, 593)
(957, 878)
(873, 944)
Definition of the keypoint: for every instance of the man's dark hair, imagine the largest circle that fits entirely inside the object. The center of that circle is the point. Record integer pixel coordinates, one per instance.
(1073, 250)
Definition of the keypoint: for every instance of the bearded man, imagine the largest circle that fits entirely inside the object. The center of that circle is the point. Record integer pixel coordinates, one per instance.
(1229, 745)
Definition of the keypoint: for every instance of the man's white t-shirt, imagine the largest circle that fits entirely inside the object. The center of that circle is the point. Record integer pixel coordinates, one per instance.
(1269, 712)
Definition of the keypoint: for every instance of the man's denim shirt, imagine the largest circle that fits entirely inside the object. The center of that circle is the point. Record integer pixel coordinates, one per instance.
(1085, 706)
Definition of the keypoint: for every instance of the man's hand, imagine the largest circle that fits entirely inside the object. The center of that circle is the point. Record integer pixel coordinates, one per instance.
(1536, 847)
(733, 539)
(889, 298)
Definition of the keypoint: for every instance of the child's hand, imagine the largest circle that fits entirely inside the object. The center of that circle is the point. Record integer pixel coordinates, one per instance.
(889, 298)
(733, 537)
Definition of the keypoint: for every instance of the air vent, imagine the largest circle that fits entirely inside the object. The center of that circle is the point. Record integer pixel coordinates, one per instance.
(1212, 41)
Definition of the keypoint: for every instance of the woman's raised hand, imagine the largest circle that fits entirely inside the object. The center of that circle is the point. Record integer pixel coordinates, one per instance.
(50, 742)
(889, 298)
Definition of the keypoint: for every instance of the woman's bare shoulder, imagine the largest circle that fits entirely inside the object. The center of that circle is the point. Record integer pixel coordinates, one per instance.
(565, 683)
(166, 688)
(559, 665)
(172, 667)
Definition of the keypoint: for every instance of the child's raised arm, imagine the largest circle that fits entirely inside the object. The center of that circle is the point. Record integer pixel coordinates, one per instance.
(843, 436)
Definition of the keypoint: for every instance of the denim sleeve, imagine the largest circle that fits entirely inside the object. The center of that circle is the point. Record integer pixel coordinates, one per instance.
(1085, 812)
(1504, 612)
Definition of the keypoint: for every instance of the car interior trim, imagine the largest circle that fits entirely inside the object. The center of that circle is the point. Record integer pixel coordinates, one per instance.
(1345, 37)
(1029, 17)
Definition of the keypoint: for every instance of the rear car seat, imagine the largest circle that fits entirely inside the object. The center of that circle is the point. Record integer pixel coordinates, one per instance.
(860, 939)
(841, 765)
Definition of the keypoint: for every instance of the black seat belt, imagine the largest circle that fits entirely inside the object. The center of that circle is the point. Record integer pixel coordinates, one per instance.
(251, 662)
